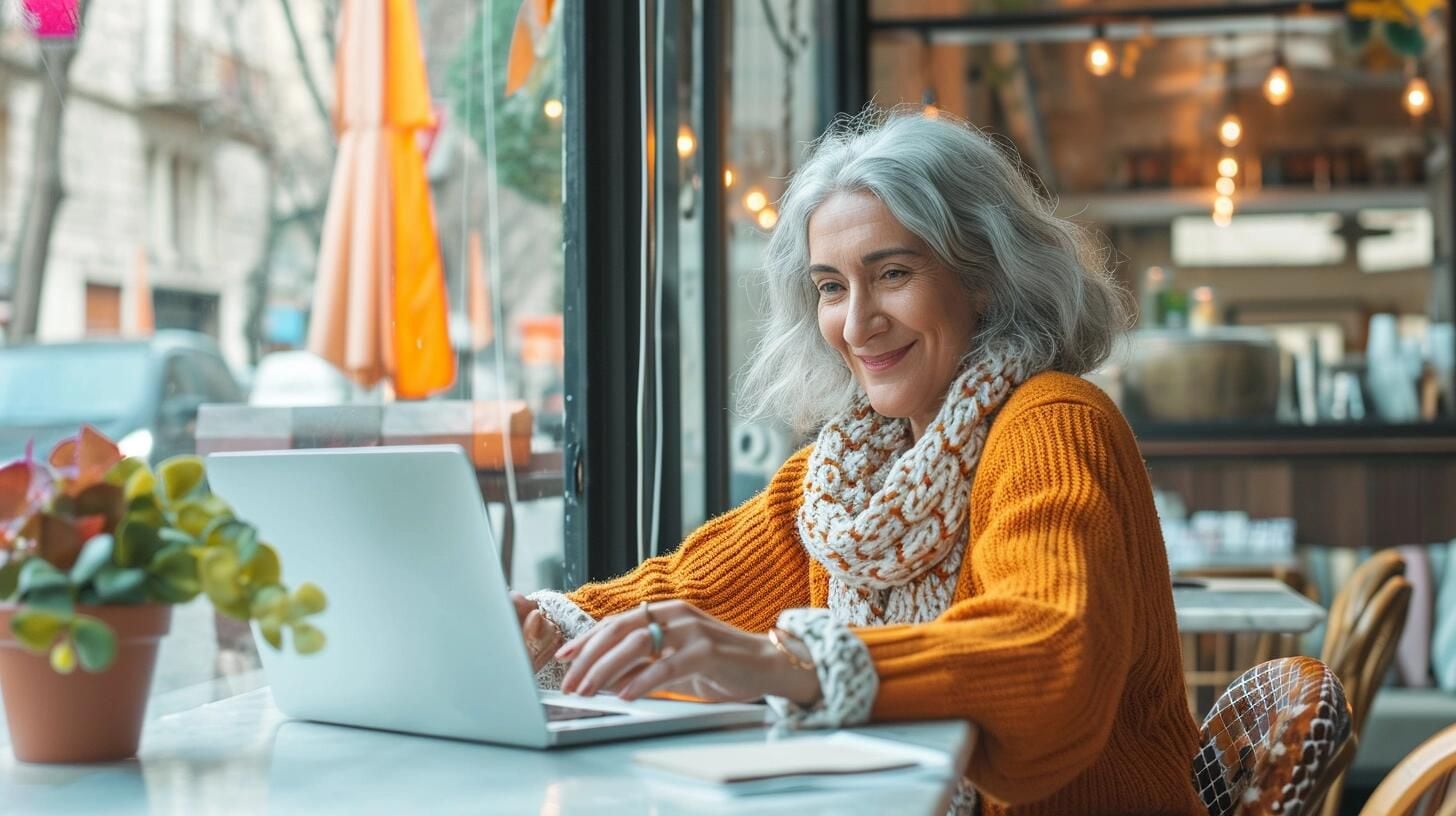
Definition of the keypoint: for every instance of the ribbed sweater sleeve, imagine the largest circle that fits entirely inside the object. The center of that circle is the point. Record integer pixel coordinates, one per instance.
(1038, 656)
(742, 567)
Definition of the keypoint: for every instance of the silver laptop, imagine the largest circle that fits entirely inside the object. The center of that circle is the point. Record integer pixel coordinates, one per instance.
(422, 637)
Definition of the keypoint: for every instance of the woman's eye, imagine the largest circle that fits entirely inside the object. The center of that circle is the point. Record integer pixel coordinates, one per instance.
(895, 274)
(830, 288)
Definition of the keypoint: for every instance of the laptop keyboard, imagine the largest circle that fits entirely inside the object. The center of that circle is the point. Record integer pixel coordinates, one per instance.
(556, 713)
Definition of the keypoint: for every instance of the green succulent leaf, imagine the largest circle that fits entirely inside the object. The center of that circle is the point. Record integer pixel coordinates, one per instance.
(265, 568)
(141, 483)
(37, 575)
(172, 537)
(270, 603)
(63, 657)
(56, 599)
(182, 477)
(95, 555)
(172, 576)
(198, 515)
(122, 471)
(272, 631)
(37, 629)
(121, 585)
(239, 535)
(307, 639)
(308, 599)
(9, 578)
(222, 580)
(95, 643)
(136, 543)
(144, 510)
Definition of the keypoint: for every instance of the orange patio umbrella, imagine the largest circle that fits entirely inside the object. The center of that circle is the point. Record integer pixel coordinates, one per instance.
(379, 308)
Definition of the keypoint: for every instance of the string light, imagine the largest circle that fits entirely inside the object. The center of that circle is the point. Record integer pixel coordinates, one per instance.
(1417, 96)
(553, 109)
(767, 217)
(1100, 60)
(1277, 85)
(1223, 204)
(755, 200)
(1228, 167)
(1224, 186)
(686, 144)
(727, 177)
(1230, 130)
(1223, 219)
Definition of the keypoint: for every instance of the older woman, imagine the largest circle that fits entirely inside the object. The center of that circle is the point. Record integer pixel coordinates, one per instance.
(972, 532)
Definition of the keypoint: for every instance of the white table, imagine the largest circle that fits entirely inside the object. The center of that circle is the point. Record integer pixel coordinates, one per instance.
(224, 748)
(1245, 605)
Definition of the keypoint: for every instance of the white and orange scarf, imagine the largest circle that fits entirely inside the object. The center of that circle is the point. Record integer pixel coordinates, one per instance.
(887, 518)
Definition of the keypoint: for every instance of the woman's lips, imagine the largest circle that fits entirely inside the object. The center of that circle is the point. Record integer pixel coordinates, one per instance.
(884, 361)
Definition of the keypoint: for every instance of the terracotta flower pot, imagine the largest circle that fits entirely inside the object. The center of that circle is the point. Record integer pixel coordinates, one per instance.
(82, 717)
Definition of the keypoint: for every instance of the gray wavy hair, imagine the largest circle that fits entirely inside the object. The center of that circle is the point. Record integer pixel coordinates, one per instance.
(1049, 297)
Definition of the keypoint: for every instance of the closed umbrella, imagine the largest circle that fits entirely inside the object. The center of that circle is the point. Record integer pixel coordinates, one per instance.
(379, 308)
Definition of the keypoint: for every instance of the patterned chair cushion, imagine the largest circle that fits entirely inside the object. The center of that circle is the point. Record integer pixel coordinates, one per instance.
(1270, 738)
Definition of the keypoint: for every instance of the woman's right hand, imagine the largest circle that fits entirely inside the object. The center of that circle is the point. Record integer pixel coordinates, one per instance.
(542, 637)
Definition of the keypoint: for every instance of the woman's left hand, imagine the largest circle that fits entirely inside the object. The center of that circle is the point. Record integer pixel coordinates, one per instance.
(700, 656)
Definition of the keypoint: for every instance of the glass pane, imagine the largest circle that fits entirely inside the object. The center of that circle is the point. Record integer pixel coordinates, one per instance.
(214, 184)
(773, 115)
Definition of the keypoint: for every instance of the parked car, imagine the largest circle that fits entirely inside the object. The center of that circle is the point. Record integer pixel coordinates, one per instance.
(288, 378)
(144, 393)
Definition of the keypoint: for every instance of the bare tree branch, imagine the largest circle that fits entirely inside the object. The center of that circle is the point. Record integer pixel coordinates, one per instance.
(303, 67)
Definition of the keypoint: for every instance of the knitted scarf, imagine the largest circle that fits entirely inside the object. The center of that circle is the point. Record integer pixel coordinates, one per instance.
(887, 522)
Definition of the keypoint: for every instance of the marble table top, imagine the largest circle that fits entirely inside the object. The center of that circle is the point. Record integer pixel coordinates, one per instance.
(224, 748)
(1245, 605)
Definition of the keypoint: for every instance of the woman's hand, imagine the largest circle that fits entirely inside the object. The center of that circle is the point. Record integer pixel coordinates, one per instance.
(541, 635)
(701, 656)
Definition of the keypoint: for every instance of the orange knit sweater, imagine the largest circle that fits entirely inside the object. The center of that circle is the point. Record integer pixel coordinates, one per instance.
(1060, 643)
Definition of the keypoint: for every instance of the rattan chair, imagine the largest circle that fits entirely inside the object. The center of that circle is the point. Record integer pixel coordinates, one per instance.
(1275, 740)
(1361, 634)
(1423, 784)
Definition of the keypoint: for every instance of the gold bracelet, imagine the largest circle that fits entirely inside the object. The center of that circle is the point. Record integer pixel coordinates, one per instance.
(775, 636)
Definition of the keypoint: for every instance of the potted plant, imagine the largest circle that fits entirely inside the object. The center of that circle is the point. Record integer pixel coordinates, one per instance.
(94, 549)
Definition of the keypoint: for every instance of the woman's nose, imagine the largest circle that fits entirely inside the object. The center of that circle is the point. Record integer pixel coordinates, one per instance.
(864, 320)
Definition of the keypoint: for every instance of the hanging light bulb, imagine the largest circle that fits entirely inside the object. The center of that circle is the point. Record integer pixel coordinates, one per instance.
(1223, 219)
(1277, 85)
(1224, 186)
(1228, 167)
(552, 108)
(1223, 204)
(1230, 130)
(686, 144)
(1417, 96)
(767, 217)
(755, 200)
(1099, 53)
(727, 177)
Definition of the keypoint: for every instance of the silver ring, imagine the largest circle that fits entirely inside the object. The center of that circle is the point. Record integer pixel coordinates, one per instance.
(654, 630)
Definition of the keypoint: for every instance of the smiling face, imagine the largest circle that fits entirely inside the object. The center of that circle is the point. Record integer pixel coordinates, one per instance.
(900, 319)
